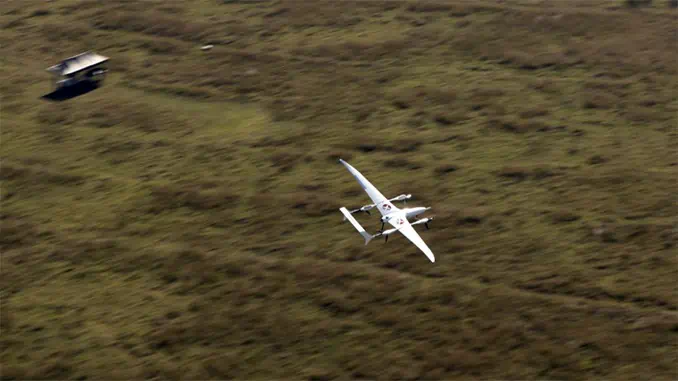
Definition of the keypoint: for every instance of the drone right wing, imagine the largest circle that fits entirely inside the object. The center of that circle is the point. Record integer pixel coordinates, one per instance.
(383, 204)
(404, 226)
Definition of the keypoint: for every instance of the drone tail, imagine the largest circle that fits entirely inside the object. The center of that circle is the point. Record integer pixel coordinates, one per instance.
(347, 216)
(368, 237)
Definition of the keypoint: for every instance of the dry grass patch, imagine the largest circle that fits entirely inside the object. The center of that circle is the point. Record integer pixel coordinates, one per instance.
(171, 196)
(151, 24)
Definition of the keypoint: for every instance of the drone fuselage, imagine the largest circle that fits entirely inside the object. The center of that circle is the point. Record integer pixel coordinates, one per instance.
(409, 213)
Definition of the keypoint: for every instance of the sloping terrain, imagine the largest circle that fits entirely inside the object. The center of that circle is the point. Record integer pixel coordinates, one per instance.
(181, 222)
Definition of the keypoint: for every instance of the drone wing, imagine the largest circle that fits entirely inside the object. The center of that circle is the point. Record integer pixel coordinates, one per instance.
(383, 204)
(408, 231)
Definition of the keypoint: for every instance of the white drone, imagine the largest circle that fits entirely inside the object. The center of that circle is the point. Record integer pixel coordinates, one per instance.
(398, 218)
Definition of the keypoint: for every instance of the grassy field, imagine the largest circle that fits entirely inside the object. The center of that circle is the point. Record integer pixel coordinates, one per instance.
(181, 222)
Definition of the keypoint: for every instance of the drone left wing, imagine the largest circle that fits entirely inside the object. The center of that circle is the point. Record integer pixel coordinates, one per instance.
(408, 231)
(383, 204)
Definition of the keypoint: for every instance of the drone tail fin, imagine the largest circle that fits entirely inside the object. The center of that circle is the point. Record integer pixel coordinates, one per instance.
(368, 237)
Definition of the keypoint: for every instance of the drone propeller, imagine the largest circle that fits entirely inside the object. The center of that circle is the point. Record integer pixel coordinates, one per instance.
(386, 238)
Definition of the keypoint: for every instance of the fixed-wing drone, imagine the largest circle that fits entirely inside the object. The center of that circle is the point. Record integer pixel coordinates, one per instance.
(398, 218)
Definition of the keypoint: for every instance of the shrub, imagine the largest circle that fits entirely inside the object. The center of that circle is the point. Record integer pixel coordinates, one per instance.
(515, 125)
(516, 173)
(445, 169)
(534, 112)
(599, 100)
(40, 13)
(426, 6)
(637, 3)
(564, 216)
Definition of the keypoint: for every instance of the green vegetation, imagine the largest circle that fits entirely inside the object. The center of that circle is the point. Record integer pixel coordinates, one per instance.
(181, 221)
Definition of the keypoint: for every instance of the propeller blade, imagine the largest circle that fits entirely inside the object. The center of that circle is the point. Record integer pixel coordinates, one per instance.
(386, 240)
(368, 212)
(382, 227)
(426, 224)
